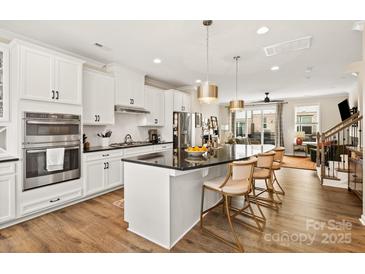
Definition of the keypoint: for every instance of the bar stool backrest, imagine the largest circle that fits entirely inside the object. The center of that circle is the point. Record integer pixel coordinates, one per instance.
(243, 170)
(279, 154)
(265, 160)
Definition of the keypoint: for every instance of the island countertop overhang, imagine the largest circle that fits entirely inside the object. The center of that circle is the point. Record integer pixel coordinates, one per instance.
(178, 159)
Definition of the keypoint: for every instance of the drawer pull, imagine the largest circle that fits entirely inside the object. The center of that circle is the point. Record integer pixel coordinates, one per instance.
(54, 200)
(105, 155)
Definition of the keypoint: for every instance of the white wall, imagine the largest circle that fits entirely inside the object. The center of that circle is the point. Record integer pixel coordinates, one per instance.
(124, 124)
(329, 115)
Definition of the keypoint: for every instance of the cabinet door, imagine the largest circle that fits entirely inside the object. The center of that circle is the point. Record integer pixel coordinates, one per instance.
(186, 102)
(137, 89)
(94, 176)
(97, 88)
(4, 83)
(159, 107)
(114, 172)
(68, 79)
(37, 74)
(149, 105)
(178, 101)
(7, 198)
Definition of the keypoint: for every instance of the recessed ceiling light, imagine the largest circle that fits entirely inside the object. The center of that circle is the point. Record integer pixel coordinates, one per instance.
(355, 74)
(263, 30)
(198, 81)
(274, 68)
(157, 61)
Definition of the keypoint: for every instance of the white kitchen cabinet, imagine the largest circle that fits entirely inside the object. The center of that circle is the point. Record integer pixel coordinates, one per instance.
(7, 198)
(103, 173)
(129, 86)
(94, 177)
(36, 75)
(98, 87)
(68, 81)
(186, 102)
(49, 76)
(114, 172)
(4, 82)
(155, 104)
(182, 101)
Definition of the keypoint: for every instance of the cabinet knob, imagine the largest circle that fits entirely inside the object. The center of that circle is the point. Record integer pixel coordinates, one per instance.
(57, 95)
(53, 94)
(96, 118)
(131, 101)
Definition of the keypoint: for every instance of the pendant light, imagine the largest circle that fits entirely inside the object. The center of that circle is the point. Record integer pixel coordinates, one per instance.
(236, 105)
(207, 91)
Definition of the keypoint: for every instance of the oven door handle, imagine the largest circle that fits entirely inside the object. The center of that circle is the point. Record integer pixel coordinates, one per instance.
(34, 122)
(44, 150)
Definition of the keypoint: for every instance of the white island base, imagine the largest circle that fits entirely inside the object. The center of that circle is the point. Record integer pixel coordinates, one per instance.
(162, 204)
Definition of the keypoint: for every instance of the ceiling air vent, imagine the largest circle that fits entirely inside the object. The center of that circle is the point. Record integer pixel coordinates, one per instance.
(287, 46)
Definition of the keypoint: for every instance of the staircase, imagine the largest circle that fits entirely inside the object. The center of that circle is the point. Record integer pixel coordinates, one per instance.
(333, 149)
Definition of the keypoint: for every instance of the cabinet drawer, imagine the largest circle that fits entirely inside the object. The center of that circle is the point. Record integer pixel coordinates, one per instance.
(7, 168)
(138, 150)
(92, 156)
(51, 201)
(42, 198)
(162, 147)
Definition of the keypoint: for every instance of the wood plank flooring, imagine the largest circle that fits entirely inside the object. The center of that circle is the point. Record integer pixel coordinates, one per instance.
(97, 225)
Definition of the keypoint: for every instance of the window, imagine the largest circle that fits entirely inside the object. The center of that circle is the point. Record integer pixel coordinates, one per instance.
(256, 126)
(307, 121)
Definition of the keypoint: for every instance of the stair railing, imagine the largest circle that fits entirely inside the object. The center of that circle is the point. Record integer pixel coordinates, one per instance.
(332, 146)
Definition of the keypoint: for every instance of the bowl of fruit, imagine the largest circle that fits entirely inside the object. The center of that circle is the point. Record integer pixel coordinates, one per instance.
(196, 151)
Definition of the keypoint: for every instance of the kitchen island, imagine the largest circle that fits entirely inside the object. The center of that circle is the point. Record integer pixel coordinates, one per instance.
(162, 191)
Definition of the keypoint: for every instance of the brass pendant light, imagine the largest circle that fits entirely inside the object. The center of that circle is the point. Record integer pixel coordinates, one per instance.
(236, 105)
(207, 91)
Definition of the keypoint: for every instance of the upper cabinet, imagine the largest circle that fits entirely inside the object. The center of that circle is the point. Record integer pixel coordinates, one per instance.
(4, 83)
(129, 86)
(155, 104)
(46, 75)
(182, 101)
(98, 87)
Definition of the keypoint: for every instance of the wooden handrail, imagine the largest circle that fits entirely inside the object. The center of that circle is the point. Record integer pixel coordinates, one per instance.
(353, 116)
(343, 126)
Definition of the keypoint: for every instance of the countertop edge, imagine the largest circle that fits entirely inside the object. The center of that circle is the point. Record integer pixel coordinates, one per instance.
(99, 149)
(183, 169)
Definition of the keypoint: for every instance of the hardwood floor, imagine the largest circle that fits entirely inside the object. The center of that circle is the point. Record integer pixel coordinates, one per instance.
(97, 225)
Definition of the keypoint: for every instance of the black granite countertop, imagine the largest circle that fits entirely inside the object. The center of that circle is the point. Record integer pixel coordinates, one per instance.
(100, 148)
(180, 160)
(8, 159)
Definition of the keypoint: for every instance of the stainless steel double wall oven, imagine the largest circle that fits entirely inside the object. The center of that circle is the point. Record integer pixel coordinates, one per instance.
(44, 131)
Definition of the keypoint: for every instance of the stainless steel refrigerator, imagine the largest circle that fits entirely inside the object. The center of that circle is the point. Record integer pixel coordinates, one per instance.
(187, 129)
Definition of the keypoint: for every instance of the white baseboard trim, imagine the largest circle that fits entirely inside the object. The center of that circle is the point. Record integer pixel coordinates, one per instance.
(362, 219)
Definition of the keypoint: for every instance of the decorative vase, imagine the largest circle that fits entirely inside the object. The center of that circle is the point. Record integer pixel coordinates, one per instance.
(299, 141)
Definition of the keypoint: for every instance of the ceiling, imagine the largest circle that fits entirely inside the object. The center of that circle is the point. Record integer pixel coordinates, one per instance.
(181, 47)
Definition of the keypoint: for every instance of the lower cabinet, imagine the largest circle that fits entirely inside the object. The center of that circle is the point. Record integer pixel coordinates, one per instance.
(7, 198)
(102, 174)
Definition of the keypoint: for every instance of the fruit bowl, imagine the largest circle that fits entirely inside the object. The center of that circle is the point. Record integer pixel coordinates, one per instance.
(196, 151)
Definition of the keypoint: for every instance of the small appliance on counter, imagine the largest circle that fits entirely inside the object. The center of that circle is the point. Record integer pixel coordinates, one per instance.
(153, 136)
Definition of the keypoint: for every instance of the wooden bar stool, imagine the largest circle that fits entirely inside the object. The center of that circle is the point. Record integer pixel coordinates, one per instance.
(264, 171)
(278, 160)
(237, 183)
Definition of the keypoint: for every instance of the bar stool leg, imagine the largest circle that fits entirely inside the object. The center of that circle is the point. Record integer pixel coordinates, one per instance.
(202, 209)
(257, 204)
(238, 243)
(282, 192)
(253, 214)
